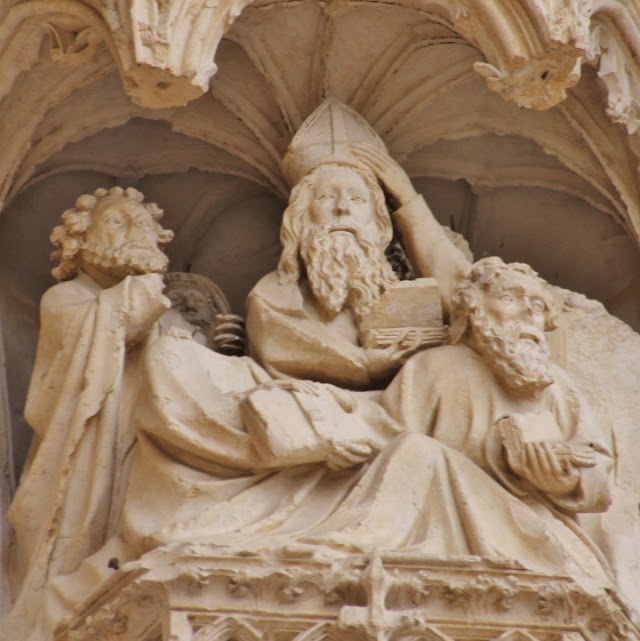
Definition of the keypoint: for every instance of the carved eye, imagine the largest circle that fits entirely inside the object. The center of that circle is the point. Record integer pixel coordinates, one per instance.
(144, 223)
(537, 306)
(324, 197)
(114, 221)
(357, 199)
(506, 298)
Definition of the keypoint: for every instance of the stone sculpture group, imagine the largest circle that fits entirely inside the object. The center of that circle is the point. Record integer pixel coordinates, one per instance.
(344, 428)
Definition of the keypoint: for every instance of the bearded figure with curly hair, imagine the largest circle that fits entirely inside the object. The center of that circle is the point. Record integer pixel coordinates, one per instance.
(94, 323)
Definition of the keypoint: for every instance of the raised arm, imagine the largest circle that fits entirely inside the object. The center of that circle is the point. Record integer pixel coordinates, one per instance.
(429, 249)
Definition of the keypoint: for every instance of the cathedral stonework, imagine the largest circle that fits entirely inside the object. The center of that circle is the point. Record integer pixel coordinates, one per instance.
(340, 339)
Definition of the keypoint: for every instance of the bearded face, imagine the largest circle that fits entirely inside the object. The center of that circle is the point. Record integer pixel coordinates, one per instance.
(122, 240)
(518, 354)
(129, 259)
(340, 247)
(508, 330)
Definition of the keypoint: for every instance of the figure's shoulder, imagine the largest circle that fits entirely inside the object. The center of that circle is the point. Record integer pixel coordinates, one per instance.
(69, 292)
(270, 291)
(449, 357)
(267, 284)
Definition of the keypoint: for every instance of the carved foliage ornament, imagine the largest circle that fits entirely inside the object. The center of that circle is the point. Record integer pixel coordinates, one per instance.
(576, 615)
(166, 48)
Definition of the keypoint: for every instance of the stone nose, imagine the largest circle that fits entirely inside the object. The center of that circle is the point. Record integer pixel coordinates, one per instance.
(530, 317)
(137, 233)
(343, 206)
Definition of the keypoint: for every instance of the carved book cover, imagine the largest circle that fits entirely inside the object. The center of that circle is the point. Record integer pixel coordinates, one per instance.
(290, 426)
(407, 308)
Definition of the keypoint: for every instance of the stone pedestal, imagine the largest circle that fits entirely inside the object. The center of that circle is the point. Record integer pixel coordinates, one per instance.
(197, 593)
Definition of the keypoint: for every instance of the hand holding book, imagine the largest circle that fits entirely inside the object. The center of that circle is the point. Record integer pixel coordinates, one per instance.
(535, 451)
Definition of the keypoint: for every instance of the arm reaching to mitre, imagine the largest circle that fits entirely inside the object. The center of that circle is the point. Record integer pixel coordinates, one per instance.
(431, 252)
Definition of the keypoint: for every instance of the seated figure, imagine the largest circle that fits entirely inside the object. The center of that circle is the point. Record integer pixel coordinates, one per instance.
(497, 449)
(501, 450)
(201, 440)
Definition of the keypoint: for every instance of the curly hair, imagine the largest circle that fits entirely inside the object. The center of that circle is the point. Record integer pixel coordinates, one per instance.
(293, 219)
(467, 297)
(69, 237)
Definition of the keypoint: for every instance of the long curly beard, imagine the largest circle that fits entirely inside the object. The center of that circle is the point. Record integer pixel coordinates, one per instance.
(345, 270)
(518, 354)
(128, 259)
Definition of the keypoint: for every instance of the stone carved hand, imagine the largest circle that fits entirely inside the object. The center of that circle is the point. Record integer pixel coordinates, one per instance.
(540, 465)
(392, 176)
(342, 456)
(550, 466)
(384, 362)
(147, 304)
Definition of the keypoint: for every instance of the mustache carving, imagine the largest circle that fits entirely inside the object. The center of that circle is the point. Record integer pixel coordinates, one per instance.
(130, 258)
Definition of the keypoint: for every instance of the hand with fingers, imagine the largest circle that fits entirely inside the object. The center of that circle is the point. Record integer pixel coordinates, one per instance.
(574, 454)
(384, 362)
(346, 455)
(550, 466)
(541, 465)
(390, 174)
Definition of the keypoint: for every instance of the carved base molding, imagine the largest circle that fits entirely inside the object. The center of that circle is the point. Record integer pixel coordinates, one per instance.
(200, 593)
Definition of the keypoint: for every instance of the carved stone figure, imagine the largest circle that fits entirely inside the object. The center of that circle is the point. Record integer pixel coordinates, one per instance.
(95, 324)
(426, 490)
(333, 268)
(522, 428)
(308, 327)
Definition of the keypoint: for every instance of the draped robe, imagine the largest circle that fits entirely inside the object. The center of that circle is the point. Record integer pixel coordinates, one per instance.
(79, 399)
(438, 488)
(432, 489)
